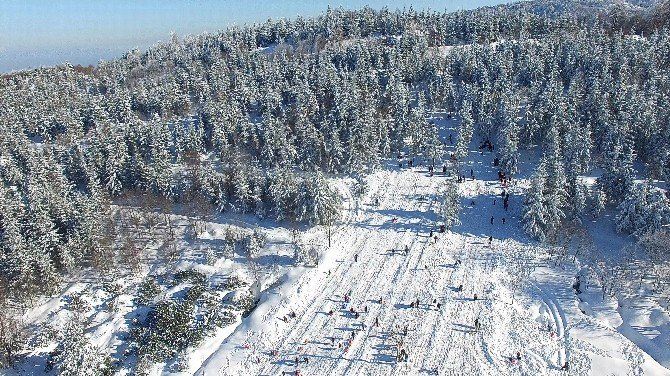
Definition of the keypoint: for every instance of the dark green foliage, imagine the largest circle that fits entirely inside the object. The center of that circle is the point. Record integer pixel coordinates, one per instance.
(168, 328)
(147, 291)
(191, 276)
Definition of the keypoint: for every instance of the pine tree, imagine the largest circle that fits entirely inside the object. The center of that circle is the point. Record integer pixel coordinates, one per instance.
(644, 210)
(465, 131)
(449, 205)
(534, 208)
(316, 202)
(282, 189)
(75, 355)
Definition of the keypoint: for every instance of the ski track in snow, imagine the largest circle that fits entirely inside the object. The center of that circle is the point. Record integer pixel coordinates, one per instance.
(442, 340)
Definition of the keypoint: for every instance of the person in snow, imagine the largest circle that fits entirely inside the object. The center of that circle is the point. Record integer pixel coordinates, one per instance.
(457, 262)
(377, 321)
(518, 355)
(431, 234)
(406, 250)
(490, 240)
(472, 174)
(330, 313)
(365, 309)
(475, 297)
(491, 219)
(503, 220)
(477, 324)
(460, 288)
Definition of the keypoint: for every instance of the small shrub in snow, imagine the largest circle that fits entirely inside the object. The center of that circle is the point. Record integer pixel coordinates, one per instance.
(45, 334)
(75, 355)
(229, 250)
(244, 302)
(194, 293)
(144, 366)
(449, 204)
(233, 283)
(253, 244)
(305, 255)
(192, 276)
(181, 363)
(78, 304)
(210, 256)
(360, 186)
(147, 291)
(112, 288)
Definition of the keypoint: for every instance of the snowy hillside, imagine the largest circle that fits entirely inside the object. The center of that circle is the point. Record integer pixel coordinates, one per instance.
(365, 192)
(525, 301)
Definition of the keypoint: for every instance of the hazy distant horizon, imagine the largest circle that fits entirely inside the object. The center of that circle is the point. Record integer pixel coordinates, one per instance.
(34, 33)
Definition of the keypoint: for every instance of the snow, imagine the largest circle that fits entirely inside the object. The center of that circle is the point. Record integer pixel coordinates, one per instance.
(524, 302)
(606, 339)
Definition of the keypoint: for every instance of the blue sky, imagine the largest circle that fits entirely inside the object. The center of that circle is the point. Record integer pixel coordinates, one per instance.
(43, 32)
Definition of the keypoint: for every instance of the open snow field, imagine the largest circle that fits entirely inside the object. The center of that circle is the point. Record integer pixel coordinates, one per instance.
(524, 303)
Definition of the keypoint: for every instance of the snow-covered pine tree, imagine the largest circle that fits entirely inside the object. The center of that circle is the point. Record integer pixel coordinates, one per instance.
(282, 190)
(75, 355)
(316, 202)
(508, 138)
(534, 206)
(449, 204)
(597, 201)
(644, 210)
(465, 130)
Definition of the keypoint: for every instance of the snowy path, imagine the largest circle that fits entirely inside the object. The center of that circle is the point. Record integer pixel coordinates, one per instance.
(438, 341)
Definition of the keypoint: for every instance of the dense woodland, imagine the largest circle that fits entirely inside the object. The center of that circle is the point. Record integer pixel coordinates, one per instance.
(253, 119)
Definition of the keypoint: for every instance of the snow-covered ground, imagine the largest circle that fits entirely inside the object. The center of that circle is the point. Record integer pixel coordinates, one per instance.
(524, 302)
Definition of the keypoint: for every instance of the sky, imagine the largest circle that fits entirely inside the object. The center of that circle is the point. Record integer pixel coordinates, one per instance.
(48, 32)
